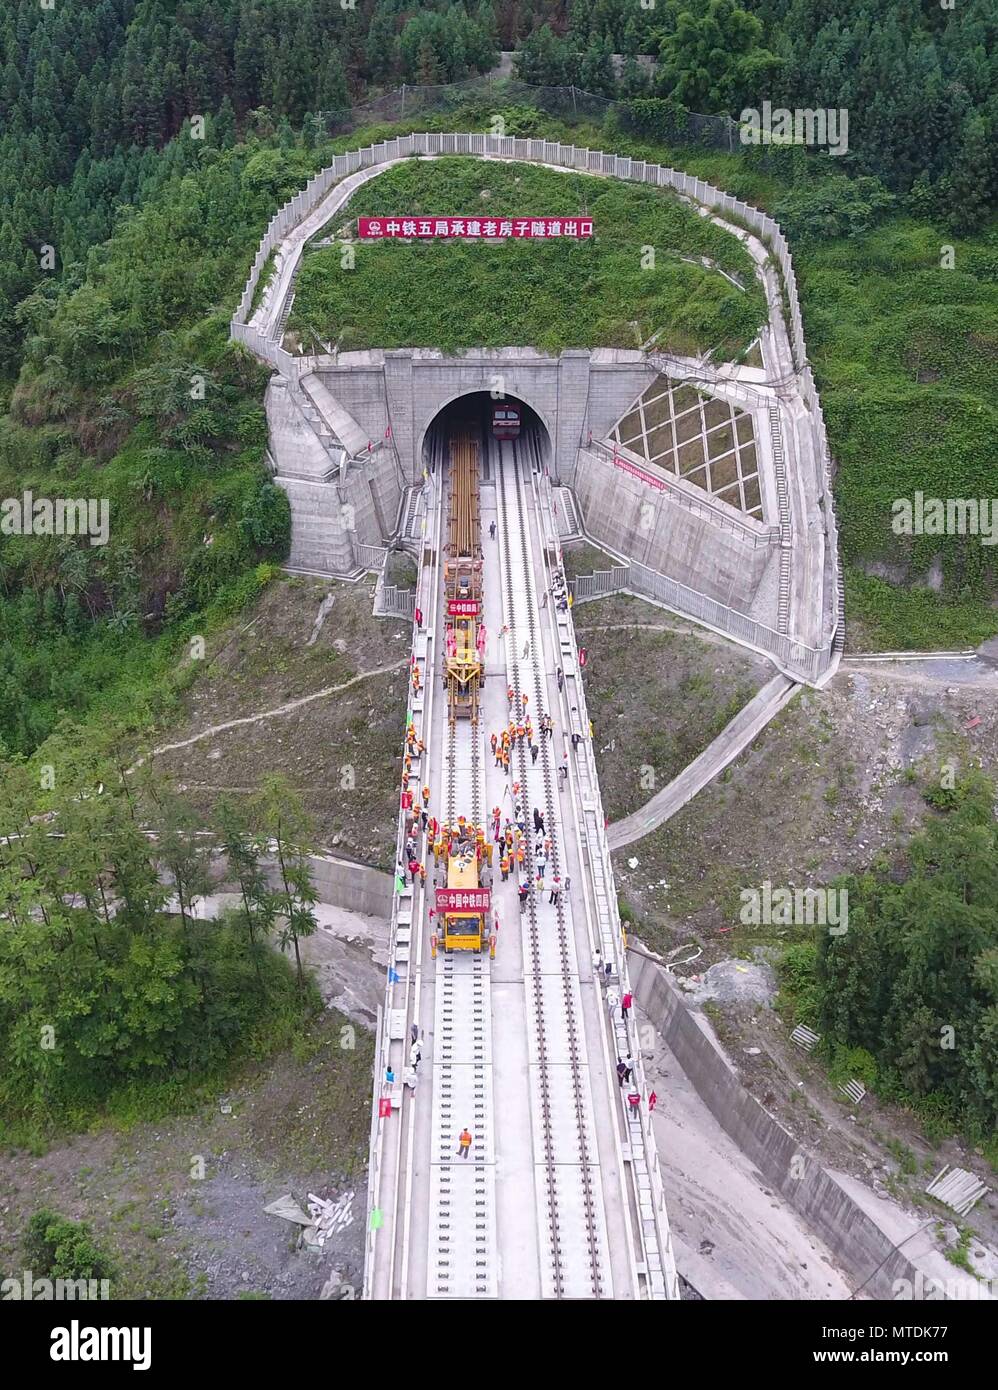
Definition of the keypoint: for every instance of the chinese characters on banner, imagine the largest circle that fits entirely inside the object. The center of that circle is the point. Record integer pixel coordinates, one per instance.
(464, 899)
(487, 228)
(462, 608)
(637, 472)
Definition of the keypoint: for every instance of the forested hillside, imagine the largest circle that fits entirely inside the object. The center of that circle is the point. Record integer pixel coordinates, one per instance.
(124, 238)
(90, 89)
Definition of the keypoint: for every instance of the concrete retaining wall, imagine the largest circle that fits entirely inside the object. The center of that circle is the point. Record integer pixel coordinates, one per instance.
(666, 532)
(851, 1235)
(339, 882)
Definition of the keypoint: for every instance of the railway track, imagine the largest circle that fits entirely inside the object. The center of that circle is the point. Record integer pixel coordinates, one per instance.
(558, 1130)
(462, 1257)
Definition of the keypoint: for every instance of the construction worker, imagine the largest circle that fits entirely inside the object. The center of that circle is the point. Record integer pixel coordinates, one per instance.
(634, 1101)
(422, 874)
(534, 750)
(415, 1053)
(652, 1101)
(563, 771)
(625, 1004)
(464, 1142)
(494, 741)
(426, 795)
(524, 892)
(555, 891)
(561, 679)
(504, 867)
(621, 1072)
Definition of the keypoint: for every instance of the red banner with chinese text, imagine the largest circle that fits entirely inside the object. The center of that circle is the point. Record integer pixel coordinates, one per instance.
(464, 899)
(487, 228)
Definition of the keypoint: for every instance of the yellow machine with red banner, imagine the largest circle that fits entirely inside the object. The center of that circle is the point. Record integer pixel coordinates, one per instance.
(464, 663)
(463, 906)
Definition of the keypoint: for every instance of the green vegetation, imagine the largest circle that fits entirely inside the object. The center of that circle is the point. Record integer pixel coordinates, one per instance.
(57, 1248)
(128, 394)
(906, 999)
(959, 1254)
(906, 353)
(553, 294)
(110, 1003)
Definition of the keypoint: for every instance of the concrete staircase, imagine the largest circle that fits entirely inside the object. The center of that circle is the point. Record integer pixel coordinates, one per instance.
(786, 532)
(410, 524)
(839, 644)
(567, 514)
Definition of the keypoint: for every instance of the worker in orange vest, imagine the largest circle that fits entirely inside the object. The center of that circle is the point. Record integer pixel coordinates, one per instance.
(464, 1142)
(504, 867)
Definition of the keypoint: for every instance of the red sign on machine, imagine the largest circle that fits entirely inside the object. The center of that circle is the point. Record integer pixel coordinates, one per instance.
(463, 608)
(464, 899)
(488, 228)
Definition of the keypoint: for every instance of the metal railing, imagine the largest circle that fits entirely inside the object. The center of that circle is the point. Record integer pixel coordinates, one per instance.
(370, 557)
(716, 132)
(599, 583)
(795, 658)
(397, 603)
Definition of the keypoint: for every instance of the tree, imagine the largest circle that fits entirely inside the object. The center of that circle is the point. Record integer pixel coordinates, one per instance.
(243, 849)
(288, 829)
(544, 60)
(713, 58)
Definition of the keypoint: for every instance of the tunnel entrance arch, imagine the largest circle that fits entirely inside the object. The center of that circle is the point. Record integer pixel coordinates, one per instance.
(473, 410)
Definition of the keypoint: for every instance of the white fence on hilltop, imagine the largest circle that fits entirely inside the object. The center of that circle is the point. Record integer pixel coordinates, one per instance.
(590, 161)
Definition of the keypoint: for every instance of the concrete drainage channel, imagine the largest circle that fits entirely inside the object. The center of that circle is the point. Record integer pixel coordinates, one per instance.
(868, 1254)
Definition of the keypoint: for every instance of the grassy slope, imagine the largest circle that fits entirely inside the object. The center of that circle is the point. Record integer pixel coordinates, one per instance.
(552, 295)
